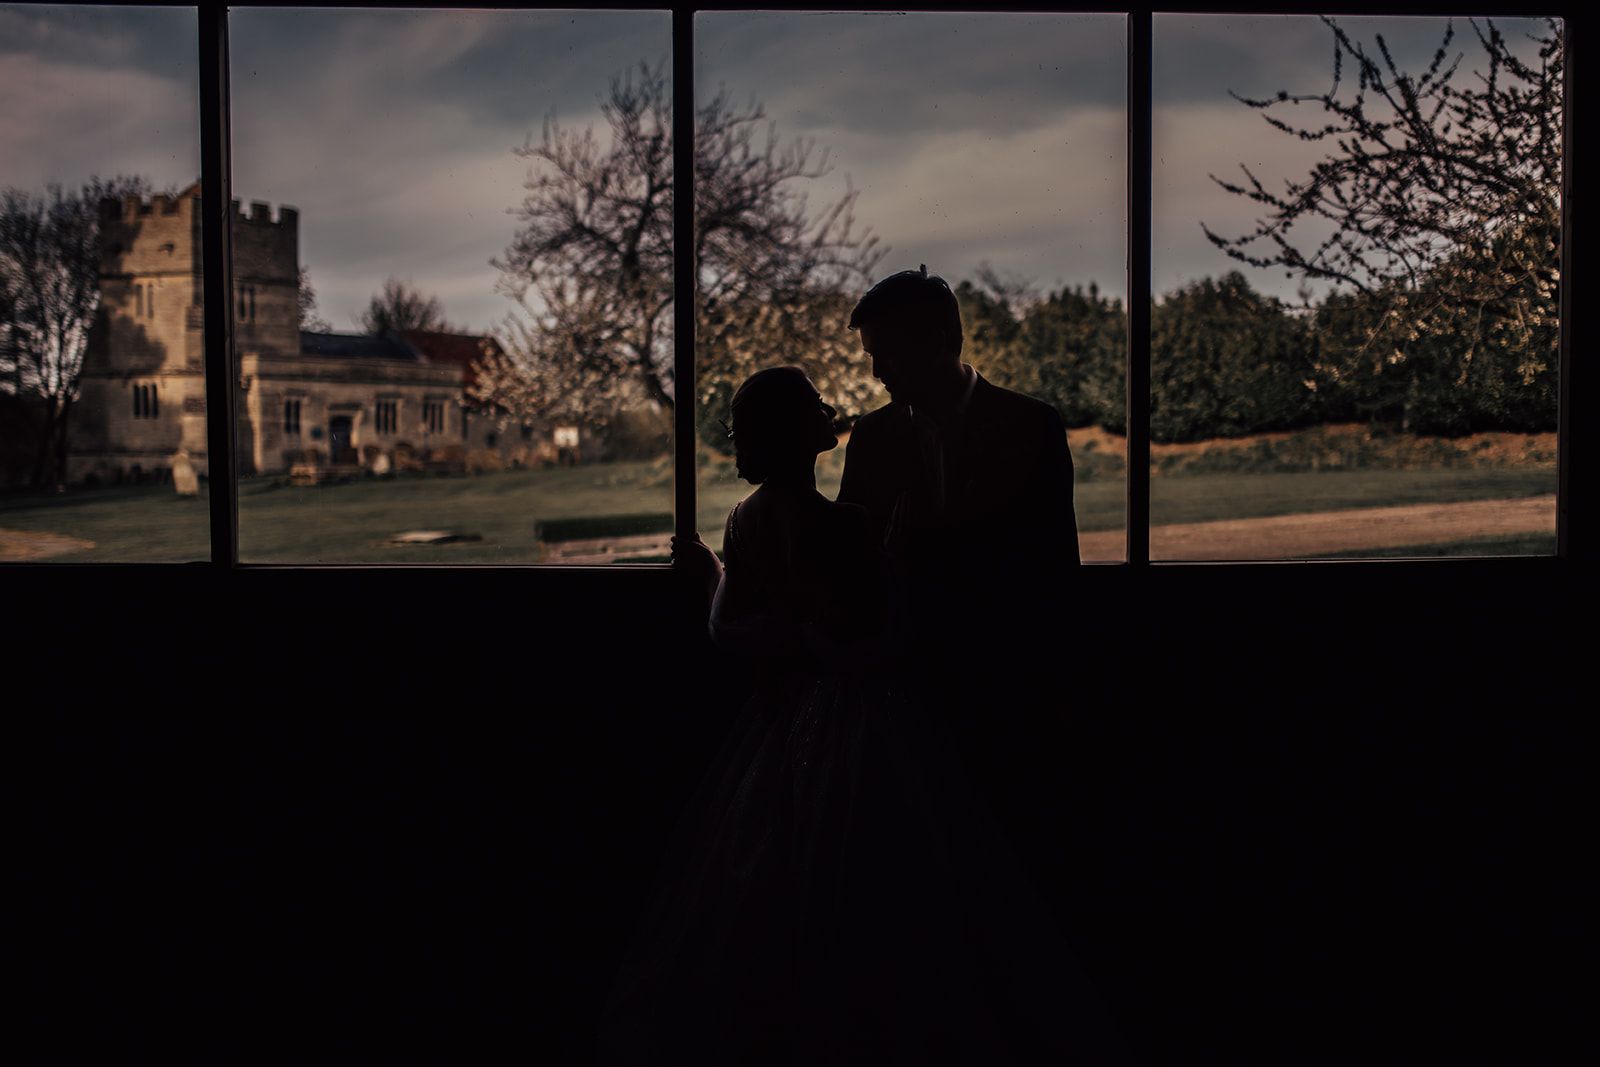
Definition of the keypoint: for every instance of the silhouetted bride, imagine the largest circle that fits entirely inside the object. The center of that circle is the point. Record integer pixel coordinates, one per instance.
(833, 895)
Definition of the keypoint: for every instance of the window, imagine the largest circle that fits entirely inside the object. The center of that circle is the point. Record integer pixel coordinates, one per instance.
(1010, 186)
(99, 151)
(399, 253)
(1357, 408)
(291, 416)
(1170, 440)
(146, 402)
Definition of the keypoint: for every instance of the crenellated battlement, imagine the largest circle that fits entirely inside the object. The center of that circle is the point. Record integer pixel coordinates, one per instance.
(260, 214)
(140, 209)
(143, 209)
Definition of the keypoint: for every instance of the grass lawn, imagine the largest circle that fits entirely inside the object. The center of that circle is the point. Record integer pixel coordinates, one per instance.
(350, 523)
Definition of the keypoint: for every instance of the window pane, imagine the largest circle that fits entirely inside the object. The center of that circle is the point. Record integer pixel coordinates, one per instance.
(453, 346)
(990, 147)
(102, 373)
(1361, 360)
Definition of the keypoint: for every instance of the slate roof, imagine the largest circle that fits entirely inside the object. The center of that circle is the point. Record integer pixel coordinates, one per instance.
(357, 346)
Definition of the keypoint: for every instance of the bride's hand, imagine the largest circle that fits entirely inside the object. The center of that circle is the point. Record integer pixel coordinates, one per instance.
(696, 560)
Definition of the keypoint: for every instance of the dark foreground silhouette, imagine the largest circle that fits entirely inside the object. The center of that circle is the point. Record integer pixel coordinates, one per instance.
(837, 891)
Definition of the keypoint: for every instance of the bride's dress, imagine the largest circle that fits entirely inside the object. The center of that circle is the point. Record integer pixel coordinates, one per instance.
(834, 895)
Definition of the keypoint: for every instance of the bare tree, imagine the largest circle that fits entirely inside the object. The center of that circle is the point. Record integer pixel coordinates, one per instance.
(591, 267)
(50, 281)
(402, 307)
(310, 321)
(1438, 204)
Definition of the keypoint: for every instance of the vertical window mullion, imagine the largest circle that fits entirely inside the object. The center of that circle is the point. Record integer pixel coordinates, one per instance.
(1138, 318)
(684, 272)
(1564, 305)
(216, 197)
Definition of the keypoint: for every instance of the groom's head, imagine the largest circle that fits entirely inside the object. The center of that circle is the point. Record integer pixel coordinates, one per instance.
(910, 324)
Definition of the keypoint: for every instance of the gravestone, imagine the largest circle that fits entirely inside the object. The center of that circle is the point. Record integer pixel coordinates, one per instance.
(184, 478)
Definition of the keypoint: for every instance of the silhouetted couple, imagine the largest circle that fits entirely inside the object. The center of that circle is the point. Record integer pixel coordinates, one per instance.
(838, 892)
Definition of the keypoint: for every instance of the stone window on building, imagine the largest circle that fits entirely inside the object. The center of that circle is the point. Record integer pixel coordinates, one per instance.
(387, 412)
(146, 404)
(291, 416)
(247, 303)
(433, 416)
(138, 301)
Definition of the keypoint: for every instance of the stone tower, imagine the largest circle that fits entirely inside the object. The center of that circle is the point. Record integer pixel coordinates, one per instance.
(143, 385)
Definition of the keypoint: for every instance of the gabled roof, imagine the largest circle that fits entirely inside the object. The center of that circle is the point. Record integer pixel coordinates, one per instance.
(461, 349)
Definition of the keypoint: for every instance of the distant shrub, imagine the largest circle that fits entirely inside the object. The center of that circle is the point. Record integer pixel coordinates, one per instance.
(584, 527)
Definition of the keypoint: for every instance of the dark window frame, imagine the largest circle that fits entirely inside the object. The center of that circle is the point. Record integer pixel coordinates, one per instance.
(221, 363)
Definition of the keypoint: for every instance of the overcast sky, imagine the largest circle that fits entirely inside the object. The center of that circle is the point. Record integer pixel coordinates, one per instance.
(972, 138)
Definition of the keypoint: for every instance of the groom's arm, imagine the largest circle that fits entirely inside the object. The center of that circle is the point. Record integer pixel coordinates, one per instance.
(1061, 516)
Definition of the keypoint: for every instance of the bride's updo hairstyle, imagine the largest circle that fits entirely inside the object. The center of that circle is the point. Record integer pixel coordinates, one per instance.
(778, 422)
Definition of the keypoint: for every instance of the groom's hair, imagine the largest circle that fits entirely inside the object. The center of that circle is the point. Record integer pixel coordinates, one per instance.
(911, 296)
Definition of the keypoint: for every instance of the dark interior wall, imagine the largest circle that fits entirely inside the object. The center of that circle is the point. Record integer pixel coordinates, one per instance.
(1302, 815)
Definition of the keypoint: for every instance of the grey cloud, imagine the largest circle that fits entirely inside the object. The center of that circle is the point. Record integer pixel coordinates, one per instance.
(971, 137)
(893, 74)
(394, 135)
(1198, 59)
(62, 122)
(154, 39)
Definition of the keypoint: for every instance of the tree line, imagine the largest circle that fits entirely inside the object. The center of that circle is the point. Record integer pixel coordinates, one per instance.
(1227, 360)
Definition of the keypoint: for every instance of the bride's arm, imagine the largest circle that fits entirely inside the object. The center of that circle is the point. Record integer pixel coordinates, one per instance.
(740, 619)
(699, 564)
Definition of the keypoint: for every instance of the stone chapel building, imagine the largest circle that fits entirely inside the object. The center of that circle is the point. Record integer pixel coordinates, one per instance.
(324, 402)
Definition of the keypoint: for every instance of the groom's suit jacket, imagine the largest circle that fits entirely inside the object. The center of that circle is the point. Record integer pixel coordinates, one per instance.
(995, 543)
(981, 590)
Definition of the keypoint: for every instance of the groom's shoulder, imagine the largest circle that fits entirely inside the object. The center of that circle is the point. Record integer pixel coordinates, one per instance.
(876, 422)
(1009, 408)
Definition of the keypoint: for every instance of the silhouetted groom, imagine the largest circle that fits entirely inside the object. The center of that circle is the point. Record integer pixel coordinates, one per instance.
(969, 487)
(964, 481)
